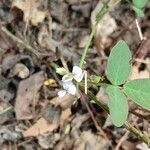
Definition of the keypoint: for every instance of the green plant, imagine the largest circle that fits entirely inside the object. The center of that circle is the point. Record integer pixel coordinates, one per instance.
(138, 6)
(118, 69)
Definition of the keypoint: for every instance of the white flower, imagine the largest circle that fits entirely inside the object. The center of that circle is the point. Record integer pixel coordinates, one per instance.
(77, 74)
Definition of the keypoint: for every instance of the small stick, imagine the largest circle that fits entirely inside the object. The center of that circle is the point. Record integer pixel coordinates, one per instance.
(145, 138)
(85, 79)
(139, 30)
(19, 41)
(92, 117)
(124, 137)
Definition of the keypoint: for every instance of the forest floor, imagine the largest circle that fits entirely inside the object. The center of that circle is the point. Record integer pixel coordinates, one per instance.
(35, 35)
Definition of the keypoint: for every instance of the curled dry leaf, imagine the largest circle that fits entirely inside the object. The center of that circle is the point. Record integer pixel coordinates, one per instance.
(20, 70)
(30, 10)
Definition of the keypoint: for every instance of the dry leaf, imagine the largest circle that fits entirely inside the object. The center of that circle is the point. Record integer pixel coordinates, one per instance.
(27, 95)
(64, 102)
(65, 114)
(88, 140)
(30, 10)
(40, 127)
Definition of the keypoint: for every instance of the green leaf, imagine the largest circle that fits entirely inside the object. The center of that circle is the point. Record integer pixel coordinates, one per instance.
(139, 12)
(118, 106)
(118, 66)
(139, 91)
(140, 3)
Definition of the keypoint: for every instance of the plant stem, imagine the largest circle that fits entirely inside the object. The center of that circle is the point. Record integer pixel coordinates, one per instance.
(20, 42)
(145, 138)
(106, 7)
(87, 47)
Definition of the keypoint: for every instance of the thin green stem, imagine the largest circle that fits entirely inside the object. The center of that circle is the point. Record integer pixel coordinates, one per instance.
(106, 7)
(99, 16)
(145, 138)
(87, 46)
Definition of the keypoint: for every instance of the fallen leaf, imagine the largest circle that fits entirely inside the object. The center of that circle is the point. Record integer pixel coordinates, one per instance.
(64, 102)
(30, 10)
(88, 140)
(40, 127)
(20, 70)
(65, 114)
(27, 95)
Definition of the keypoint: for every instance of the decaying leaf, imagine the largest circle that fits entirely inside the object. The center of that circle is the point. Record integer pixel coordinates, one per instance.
(27, 95)
(31, 10)
(65, 102)
(40, 127)
(20, 70)
(88, 140)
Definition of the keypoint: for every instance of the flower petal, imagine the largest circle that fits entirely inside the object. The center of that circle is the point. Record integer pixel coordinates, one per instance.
(79, 78)
(77, 70)
(66, 85)
(61, 93)
(78, 73)
(72, 89)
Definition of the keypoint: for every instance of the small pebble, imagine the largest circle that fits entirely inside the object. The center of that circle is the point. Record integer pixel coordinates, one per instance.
(21, 71)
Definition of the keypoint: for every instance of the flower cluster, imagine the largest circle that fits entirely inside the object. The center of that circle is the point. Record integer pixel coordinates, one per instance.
(67, 81)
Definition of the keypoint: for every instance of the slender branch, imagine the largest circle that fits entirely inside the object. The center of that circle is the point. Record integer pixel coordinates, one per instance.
(87, 47)
(19, 41)
(145, 138)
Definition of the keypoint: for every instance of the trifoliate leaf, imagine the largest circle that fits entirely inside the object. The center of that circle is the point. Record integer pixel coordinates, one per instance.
(139, 91)
(118, 106)
(118, 66)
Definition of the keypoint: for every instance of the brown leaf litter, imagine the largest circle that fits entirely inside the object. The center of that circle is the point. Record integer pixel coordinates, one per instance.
(27, 95)
(31, 11)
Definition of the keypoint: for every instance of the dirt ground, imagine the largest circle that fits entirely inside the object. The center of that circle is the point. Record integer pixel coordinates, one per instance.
(35, 35)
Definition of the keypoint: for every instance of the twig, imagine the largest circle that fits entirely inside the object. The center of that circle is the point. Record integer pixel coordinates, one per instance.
(92, 117)
(127, 125)
(139, 30)
(19, 41)
(124, 137)
(85, 81)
